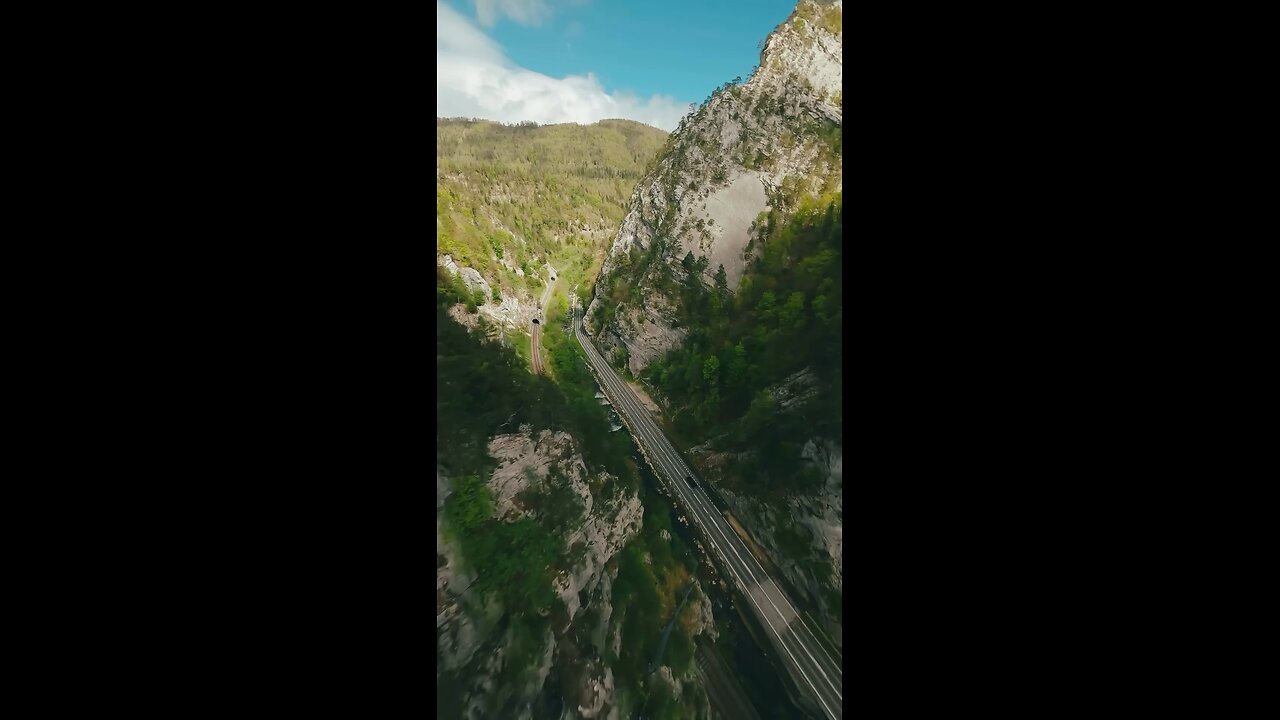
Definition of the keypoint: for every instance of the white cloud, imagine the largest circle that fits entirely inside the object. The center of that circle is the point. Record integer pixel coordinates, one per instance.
(525, 12)
(474, 78)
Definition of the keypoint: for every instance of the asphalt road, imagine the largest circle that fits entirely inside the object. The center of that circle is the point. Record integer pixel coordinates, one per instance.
(816, 672)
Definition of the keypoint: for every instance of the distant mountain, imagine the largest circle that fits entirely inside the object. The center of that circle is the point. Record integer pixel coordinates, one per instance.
(510, 198)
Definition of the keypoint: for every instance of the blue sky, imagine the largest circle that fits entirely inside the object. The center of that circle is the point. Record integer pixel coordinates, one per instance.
(585, 60)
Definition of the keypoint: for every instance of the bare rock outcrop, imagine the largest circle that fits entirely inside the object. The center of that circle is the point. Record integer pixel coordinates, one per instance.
(601, 692)
(749, 149)
(523, 460)
(704, 622)
(824, 514)
(795, 390)
(821, 515)
(514, 313)
(649, 335)
(470, 276)
(466, 319)
(466, 626)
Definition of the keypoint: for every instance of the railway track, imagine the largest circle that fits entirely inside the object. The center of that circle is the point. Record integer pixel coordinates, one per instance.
(535, 335)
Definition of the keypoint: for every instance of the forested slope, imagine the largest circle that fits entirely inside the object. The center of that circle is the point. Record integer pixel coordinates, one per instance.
(554, 581)
(722, 292)
(511, 198)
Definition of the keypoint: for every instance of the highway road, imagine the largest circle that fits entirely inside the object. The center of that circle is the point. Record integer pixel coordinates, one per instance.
(815, 671)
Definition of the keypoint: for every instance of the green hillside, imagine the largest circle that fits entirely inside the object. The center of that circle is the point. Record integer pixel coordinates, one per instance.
(785, 317)
(526, 194)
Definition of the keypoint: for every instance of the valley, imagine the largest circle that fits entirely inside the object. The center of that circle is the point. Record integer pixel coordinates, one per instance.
(638, 421)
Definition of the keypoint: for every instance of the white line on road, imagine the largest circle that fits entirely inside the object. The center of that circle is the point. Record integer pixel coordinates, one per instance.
(667, 460)
(717, 522)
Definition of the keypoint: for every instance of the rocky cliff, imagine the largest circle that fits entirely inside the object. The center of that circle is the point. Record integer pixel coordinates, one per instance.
(517, 308)
(471, 640)
(510, 199)
(737, 169)
(750, 149)
(587, 577)
(803, 534)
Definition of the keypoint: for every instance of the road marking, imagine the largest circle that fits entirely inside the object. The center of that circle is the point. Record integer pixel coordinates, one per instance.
(665, 445)
(673, 458)
(763, 592)
(664, 452)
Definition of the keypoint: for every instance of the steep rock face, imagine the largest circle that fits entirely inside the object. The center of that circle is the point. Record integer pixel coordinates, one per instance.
(460, 315)
(610, 516)
(731, 211)
(467, 627)
(600, 691)
(820, 515)
(463, 621)
(817, 516)
(514, 313)
(795, 391)
(749, 149)
(470, 277)
(524, 460)
(648, 334)
(824, 514)
(602, 536)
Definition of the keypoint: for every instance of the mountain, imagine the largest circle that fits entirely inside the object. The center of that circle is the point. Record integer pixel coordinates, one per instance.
(556, 571)
(749, 150)
(722, 294)
(511, 198)
(560, 565)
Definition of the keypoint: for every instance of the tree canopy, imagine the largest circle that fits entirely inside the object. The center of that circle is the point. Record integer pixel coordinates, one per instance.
(785, 317)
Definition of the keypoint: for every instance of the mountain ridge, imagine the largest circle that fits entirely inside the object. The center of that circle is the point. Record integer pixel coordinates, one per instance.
(749, 148)
(722, 294)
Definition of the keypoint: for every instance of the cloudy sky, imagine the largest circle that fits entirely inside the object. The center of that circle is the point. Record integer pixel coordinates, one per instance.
(554, 61)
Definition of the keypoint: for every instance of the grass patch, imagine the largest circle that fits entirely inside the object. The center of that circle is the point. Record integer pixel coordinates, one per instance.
(523, 346)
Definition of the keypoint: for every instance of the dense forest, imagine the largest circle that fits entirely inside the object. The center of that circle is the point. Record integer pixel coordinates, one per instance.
(513, 197)
(484, 389)
(785, 317)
